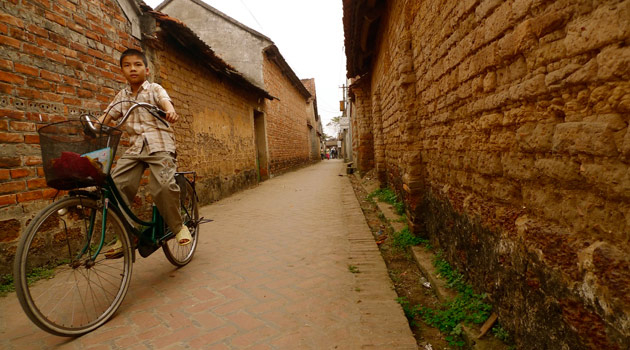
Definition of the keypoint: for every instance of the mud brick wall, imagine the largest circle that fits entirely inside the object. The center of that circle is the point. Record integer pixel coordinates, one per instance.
(505, 125)
(58, 59)
(362, 133)
(287, 131)
(215, 133)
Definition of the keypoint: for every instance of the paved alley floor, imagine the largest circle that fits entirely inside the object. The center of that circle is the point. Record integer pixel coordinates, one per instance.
(271, 272)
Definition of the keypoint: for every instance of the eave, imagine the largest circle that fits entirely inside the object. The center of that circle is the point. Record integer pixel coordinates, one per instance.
(361, 20)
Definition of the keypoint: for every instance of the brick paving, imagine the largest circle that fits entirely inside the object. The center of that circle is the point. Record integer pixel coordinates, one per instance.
(271, 272)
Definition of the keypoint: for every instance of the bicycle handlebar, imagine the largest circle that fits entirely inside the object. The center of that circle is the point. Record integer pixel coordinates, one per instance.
(154, 110)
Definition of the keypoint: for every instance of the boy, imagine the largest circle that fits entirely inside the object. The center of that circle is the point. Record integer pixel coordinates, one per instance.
(152, 145)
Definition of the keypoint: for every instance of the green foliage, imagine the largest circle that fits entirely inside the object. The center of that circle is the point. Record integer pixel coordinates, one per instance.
(402, 218)
(454, 279)
(39, 273)
(6, 284)
(501, 333)
(404, 238)
(353, 269)
(388, 196)
(466, 308)
(410, 311)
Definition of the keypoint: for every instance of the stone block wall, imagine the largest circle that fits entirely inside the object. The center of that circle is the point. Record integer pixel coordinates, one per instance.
(505, 126)
(287, 130)
(58, 59)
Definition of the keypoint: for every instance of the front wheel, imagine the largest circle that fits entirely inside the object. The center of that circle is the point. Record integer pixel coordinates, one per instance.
(64, 286)
(181, 255)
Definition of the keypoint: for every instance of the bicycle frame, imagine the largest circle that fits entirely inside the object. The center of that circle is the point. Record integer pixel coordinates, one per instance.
(112, 196)
(88, 286)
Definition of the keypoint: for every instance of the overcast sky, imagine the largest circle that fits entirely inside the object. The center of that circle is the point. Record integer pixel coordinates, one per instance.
(309, 35)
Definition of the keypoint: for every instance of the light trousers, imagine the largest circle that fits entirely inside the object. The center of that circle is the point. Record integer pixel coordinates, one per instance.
(162, 184)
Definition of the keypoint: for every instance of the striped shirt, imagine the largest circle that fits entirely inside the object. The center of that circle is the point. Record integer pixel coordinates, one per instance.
(141, 126)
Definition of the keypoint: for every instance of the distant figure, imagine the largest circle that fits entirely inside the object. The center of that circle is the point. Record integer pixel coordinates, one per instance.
(328, 154)
(333, 153)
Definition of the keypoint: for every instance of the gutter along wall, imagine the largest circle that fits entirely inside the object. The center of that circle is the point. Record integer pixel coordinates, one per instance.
(504, 124)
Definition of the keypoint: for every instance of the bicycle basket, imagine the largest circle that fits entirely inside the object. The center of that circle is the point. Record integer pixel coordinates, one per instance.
(74, 158)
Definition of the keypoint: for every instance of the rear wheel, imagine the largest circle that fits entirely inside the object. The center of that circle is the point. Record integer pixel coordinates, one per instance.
(181, 255)
(63, 285)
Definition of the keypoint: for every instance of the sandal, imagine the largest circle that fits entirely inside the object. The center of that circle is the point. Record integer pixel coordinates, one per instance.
(114, 251)
(184, 237)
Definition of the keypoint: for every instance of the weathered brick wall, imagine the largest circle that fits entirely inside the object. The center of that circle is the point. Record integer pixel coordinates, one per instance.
(60, 59)
(287, 131)
(362, 133)
(507, 122)
(313, 138)
(57, 60)
(312, 120)
(215, 133)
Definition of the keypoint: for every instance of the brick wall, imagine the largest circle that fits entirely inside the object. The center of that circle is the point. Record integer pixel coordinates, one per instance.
(60, 59)
(312, 120)
(215, 135)
(57, 60)
(506, 124)
(362, 132)
(287, 131)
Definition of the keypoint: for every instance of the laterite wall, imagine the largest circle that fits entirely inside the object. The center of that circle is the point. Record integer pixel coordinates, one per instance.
(505, 126)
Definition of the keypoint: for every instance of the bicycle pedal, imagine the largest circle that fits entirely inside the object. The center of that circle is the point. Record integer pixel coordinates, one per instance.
(203, 220)
(146, 250)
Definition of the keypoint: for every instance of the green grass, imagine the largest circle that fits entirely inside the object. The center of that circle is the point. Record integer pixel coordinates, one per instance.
(410, 311)
(353, 269)
(466, 308)
(501, 334)
(387, 195)
(402, 218)
(404, 238)
(7, 284)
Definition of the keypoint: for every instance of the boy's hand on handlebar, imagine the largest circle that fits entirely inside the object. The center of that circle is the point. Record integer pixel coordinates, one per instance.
(171, 116)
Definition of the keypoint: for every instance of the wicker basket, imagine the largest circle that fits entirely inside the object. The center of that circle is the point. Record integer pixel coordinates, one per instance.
(74, 158)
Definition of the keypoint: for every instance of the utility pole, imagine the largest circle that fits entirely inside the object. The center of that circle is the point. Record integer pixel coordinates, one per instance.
(342, 103)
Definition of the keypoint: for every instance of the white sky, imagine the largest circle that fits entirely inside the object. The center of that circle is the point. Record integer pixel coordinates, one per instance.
(309, 35)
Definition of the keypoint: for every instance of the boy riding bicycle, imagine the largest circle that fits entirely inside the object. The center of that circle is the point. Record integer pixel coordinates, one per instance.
(152, 145)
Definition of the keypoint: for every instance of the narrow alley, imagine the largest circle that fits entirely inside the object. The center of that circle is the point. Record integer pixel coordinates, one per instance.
(272, 271)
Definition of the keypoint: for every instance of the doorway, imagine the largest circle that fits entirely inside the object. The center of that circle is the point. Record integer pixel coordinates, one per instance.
(261, 146)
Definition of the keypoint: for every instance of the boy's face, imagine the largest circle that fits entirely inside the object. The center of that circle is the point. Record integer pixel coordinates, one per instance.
(134, 69)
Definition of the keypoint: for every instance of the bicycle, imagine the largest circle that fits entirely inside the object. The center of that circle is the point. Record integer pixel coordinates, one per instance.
(63, 280)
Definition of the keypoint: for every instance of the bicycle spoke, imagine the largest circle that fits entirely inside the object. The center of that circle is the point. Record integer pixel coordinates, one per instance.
(49, 290)
(78, 295)
(96, 305)
(102, 287)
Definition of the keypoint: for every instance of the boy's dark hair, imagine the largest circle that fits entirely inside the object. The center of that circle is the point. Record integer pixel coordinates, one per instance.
(134, 52)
